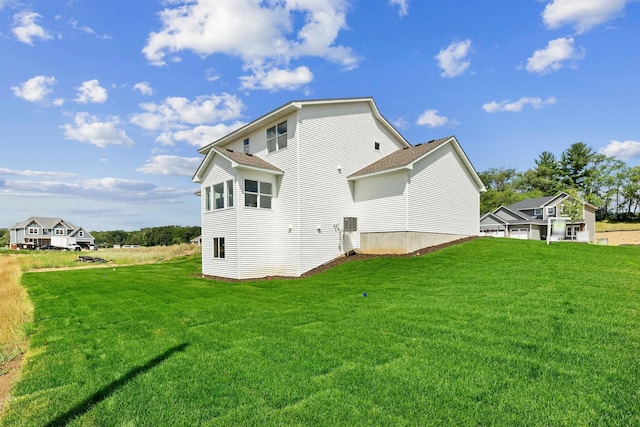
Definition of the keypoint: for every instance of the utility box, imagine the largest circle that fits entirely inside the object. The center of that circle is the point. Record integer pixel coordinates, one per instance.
(350, 224)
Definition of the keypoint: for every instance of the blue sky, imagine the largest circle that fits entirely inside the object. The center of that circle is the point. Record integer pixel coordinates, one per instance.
(103, 105)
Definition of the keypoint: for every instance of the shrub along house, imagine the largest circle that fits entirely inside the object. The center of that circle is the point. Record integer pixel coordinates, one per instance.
(313, 180)
(39, 231)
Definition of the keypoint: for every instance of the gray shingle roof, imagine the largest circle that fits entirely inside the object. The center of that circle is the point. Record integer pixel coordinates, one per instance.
(400, 158)
(45, 222)
(534, 203)
(246, 159)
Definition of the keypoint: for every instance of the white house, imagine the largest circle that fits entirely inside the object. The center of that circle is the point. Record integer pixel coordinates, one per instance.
(313, 180)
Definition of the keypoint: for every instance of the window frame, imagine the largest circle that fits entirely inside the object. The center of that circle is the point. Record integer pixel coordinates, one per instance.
(263, 194)
(218, 248)
(276, 138)
(59, 232)
(551, 211)
(33, 230)
(246, 145)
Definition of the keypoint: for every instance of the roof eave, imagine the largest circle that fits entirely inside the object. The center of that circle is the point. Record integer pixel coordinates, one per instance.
(382, 172)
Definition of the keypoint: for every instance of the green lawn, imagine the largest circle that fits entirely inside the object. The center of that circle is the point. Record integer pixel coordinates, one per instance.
(489, 332)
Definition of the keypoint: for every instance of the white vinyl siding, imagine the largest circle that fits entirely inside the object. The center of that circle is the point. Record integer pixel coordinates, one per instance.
(442, 195)
(382, 203)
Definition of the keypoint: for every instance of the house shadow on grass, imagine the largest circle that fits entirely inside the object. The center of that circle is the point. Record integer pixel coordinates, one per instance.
(107, 391)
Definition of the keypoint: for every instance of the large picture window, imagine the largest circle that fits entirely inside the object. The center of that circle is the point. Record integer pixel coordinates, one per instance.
(257, 194)
(277, 137)
(218, 247)
(218, 196)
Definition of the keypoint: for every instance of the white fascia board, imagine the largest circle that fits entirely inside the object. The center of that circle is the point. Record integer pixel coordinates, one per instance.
(257, 169)
(383, 172)
(285, 110)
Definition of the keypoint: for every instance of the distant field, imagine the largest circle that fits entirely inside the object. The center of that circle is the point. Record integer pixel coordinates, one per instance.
(602, 226)
(36, 260)
(488, 332)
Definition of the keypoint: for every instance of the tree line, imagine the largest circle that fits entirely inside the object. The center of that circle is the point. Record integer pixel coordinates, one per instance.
(152, 236)
(606, 182)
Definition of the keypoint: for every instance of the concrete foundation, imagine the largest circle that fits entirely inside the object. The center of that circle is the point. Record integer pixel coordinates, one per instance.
(402, 242)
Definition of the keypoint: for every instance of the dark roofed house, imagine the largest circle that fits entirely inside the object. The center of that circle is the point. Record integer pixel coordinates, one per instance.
(530, 218)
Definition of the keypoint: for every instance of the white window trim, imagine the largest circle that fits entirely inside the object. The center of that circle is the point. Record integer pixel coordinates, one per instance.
(218, 248)
(277, 136)
(210, 200)
(259, 194)
(33, 230)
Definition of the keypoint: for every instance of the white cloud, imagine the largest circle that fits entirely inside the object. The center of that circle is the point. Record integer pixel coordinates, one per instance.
(403, 6)
(197, 122)
(91, 91)
(517, 106)
(553, 57)
(88, 128)
(144, 88)
(275, 79)
(265, 35)
(432, 119)
(211, 75)
(32, 173)
(623, 150)
(171, 165)
(25, 28)
(581, 14)
(177, 112)
(35, 89)
(198, 136)
(453, 60)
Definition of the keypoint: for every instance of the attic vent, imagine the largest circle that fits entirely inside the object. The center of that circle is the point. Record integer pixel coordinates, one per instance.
(229, 150)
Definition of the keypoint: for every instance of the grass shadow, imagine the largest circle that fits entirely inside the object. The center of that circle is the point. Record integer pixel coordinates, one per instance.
(107, 391)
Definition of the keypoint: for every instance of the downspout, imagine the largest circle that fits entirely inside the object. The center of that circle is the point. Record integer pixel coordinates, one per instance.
(298, 192)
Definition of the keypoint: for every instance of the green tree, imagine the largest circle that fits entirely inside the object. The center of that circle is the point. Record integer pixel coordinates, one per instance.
(545, 177)
(4, 237)
(572, 208)
(575, 165)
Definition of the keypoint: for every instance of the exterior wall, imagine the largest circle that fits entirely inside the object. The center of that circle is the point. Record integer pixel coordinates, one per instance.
(403, 242)
(442, 196)
(382, 203)
(331, 136)
(220, 223)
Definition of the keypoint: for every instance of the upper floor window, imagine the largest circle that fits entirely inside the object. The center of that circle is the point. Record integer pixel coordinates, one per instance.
(219, 196)
(537, 212)
(551, 211)
(33, 230)
(245, 145)
(60, 231)
(80, 233)
(257, 194)
(277, 137)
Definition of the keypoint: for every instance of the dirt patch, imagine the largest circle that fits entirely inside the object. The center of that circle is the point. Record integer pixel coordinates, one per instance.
(617, 238)
(8, 373)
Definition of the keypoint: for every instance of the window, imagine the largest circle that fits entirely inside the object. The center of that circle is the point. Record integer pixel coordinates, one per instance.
(551, 211)
(33, 230)
(60, 232)
(277, 137)
(80, 233)
(230, 193)
(257, 194)
(207, 199)
(218, 247)
(537, 212)
(218, 196)
(376, 146)
(245, 145)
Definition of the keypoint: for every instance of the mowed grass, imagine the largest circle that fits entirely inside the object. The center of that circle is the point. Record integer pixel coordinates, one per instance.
(489, 332)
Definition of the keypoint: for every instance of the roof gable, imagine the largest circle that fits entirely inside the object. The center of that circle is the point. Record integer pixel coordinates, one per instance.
(238, 160)
(292, 107)
(405, 159)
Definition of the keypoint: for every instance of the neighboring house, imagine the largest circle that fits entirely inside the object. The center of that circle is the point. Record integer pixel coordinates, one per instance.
(38, 231)
(313, 180)
(529, 219)
(197, 240)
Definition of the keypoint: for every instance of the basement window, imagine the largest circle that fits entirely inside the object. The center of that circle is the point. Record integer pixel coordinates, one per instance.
(218, 247)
